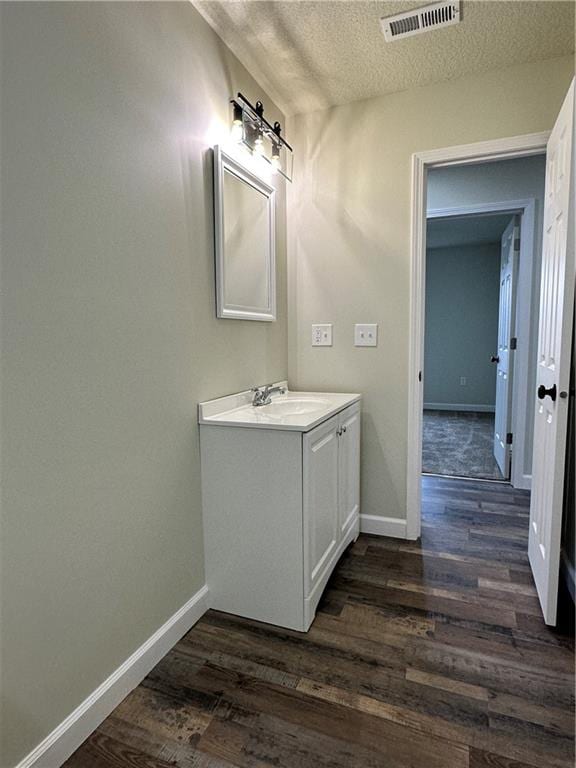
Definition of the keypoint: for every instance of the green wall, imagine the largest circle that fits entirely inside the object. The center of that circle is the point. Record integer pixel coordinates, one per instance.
(109, 336)
(462, 287)
(349, 238)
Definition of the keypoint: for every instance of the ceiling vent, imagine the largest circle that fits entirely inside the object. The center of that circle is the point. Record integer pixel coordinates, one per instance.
(420, 20)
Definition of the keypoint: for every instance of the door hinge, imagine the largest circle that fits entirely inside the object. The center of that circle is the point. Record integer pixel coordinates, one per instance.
(419, 375)
(509, 438)
(513, 342)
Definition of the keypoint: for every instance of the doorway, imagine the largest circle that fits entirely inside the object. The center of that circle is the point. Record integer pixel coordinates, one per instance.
(471, 263)
(554, 310)
(447, 198)
(483, 250)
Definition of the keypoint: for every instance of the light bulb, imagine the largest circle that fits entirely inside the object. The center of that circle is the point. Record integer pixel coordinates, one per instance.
(275, 161)
(237, 132)
(259, 143)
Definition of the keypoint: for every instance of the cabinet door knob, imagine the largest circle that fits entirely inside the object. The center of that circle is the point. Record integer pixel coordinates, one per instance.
(343, 429)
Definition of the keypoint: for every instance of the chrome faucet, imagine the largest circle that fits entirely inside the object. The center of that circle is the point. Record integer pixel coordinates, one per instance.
(262, 394)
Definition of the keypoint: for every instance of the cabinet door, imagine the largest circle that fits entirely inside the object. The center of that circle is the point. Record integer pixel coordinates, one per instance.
(349, 468)
(320, 475)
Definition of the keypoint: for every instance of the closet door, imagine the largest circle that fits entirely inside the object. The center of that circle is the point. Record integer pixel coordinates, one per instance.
(504, 358)
(349, 469)
(320, 475)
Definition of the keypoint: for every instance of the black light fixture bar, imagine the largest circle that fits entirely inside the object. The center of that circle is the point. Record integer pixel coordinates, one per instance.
(257, 114)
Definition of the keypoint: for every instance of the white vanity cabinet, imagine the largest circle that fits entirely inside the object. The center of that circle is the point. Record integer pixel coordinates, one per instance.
(280, 505)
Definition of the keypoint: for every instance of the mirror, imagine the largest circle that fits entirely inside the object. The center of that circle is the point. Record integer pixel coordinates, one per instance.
(245, 242)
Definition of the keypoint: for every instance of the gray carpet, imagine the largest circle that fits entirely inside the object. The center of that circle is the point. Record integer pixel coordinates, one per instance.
(459, 443)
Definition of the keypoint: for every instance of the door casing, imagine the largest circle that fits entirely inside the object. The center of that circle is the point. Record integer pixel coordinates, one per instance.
(465, 154)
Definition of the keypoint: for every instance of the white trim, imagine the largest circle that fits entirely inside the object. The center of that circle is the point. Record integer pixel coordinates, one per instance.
(225, 163)
(383, 526)
(57, 747)
(465, 154)
(506, 206)
(473, 408)
(485, 151)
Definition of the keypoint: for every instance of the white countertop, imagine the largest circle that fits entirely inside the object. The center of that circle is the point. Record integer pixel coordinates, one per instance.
(298, 411)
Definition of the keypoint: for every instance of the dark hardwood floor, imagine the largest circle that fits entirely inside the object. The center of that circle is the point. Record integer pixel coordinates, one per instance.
(422, 655)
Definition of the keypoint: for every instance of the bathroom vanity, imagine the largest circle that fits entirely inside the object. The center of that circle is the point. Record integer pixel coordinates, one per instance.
(280, 490)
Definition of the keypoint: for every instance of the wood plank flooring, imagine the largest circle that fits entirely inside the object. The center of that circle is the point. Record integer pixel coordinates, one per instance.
(423, 655)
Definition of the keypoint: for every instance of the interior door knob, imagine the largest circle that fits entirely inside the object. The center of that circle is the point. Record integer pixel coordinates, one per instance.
(495, 359)
(551, 392)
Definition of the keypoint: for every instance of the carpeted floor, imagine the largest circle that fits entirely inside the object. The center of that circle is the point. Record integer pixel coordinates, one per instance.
(459, 443)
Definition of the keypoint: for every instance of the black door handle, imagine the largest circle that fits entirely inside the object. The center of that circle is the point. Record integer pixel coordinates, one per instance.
(542, 392)
(495, 359)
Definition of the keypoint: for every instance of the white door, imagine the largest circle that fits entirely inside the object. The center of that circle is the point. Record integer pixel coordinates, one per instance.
(320, 475)
(553, 361)
(349, 469)
(504, 357)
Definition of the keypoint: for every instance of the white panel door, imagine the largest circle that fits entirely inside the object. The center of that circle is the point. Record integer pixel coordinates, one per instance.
(504, 358)
(553, 361)
(320, 475)
(349, 469)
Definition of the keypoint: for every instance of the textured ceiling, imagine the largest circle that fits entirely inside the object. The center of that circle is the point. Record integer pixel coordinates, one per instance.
(466, 230)
(313, 54)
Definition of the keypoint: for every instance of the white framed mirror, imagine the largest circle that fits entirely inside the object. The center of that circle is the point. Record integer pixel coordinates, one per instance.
(245, 242)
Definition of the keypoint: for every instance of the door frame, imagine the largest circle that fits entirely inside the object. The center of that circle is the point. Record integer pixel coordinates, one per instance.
(464, 154)
(526, 297)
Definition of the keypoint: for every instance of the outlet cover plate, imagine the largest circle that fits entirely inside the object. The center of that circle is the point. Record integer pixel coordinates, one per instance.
(322, 335)
(366, 335)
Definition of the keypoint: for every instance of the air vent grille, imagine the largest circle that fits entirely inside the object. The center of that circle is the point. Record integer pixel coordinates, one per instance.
(420, 20)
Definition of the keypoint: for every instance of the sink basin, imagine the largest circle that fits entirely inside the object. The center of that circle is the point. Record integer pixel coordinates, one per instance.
(293, 406)
(299, 411)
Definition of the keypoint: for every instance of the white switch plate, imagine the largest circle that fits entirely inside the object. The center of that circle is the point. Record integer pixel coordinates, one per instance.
(322, 335)
(366, 335)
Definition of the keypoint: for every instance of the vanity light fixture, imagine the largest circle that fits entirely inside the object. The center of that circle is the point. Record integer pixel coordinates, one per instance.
(250, 127)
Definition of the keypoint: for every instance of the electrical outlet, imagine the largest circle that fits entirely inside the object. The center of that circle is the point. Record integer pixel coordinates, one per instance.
(322, 335)
(463, 381)
(366, 335)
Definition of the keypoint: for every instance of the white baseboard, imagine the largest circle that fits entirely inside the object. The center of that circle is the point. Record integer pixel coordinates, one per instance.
(57, 747)
(383, 526)
(522, 481)
(459, 407)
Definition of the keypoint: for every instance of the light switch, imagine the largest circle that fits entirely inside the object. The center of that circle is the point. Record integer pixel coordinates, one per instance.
(366, 335)
(322, 335)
